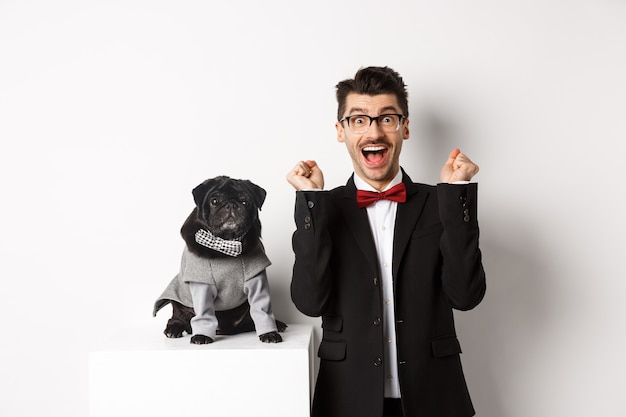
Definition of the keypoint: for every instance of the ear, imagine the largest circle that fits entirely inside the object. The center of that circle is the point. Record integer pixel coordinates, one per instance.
(340, 132)
(200, 192)
(406, 129)
(258, 194)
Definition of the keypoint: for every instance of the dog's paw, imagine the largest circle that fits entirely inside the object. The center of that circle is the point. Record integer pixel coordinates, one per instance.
(271, 337)
(281, 326)
(201, 339)
(176, 330)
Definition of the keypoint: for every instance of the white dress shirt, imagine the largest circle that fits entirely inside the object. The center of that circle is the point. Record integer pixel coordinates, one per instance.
(382, 219)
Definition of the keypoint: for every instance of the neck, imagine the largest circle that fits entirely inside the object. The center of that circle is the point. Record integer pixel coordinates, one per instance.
(378, 185)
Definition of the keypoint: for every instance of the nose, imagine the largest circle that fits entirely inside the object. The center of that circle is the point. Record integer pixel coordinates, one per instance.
(375, 131)
(233, 206)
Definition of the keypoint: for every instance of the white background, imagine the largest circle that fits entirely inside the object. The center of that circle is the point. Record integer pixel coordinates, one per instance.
(112, 111)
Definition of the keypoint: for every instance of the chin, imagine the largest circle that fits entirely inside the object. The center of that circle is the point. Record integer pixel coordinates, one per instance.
(379, 173)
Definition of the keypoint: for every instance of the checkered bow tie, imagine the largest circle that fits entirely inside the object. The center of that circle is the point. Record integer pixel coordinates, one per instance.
(396, 193)
(227, 247)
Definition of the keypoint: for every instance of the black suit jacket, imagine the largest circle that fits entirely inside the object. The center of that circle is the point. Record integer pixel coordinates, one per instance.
(436, 267)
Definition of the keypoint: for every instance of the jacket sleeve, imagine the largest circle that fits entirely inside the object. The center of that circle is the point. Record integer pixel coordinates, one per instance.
(463, 276)
(312, 245)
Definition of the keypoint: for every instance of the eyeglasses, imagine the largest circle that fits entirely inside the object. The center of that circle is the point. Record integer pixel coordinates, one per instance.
(387, 122)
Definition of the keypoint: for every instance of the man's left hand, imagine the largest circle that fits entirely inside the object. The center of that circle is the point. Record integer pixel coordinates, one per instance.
(458, 167)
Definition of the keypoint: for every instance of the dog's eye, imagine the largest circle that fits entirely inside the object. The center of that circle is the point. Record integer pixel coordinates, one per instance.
(244, 202)
(214, 201)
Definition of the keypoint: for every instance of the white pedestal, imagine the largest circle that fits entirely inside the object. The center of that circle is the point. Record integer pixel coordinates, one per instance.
(143, 373)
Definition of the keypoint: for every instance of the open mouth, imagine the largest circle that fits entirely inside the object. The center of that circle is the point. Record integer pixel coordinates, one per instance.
(374, 154)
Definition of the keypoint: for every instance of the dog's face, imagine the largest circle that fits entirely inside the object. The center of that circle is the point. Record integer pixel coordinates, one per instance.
(228, 207)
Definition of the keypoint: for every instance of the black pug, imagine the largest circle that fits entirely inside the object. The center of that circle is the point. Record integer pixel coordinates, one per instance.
(222, 286)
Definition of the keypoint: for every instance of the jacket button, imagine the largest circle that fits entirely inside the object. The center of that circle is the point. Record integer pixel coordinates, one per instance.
(307, 222)
(375, 281)
(466, 218)
(310, 204)
(377, 321)
(378, 361)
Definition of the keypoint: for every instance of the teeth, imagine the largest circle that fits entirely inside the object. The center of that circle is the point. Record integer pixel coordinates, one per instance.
(373, 148)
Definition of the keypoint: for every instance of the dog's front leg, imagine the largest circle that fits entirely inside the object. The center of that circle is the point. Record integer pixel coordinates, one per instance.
(258, 291)
(204, 323)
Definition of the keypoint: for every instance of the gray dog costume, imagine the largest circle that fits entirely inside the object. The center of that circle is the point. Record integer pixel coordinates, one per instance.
(218, 284)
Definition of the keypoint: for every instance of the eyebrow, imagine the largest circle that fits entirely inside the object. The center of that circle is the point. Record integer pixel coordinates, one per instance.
(359, 110)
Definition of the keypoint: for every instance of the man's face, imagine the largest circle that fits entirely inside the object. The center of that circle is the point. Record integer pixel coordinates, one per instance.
(376, 153)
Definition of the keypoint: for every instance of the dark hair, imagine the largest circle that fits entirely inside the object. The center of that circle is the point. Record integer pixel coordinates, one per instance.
(373, 81)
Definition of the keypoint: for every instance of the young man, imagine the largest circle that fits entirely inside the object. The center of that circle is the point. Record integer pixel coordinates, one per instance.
(384, 261)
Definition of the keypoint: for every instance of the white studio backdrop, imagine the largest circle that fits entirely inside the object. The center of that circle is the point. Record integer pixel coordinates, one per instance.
(111, 112)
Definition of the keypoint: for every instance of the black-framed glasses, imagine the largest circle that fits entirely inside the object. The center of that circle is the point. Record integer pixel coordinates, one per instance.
(358, 123)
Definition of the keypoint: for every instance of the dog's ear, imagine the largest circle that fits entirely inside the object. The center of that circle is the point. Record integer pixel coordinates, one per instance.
(199, 193)
(258, 194)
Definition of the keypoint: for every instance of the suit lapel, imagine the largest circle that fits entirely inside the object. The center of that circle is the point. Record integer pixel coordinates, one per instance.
(357, 222)
(406, 218)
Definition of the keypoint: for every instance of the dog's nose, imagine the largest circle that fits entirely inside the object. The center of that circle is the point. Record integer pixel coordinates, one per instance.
(232, 206)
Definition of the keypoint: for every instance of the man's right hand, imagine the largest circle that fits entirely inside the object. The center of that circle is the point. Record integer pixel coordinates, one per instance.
(306, 175)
